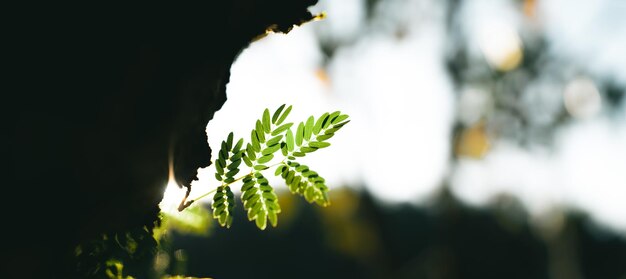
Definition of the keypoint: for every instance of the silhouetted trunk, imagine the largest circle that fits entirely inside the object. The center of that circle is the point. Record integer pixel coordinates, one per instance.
(96, 99)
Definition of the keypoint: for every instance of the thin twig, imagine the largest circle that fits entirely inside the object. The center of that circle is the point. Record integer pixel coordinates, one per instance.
(184, 203)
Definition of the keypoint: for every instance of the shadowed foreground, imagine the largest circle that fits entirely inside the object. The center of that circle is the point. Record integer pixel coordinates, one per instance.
(98, 100)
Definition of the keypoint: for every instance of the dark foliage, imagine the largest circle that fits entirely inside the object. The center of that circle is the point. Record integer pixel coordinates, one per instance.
(445, 239)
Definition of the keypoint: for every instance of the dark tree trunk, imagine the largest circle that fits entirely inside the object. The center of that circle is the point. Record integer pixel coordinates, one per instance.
(96, 99)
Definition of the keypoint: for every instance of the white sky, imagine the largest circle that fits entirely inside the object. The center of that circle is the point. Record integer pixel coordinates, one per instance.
(401, 104)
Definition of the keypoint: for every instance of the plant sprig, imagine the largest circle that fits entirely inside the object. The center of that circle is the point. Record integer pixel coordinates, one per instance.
(270, 135)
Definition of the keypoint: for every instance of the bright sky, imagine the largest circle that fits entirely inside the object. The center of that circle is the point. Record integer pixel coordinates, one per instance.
(402, 107)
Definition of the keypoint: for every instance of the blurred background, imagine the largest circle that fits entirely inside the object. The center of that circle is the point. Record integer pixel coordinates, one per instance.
(488, 140)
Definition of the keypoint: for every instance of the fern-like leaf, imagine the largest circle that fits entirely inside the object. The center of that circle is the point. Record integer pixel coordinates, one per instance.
(229, 159)
(223, 205)
(312, 134)
(305, 182)
(282, 117)
(266, 138)
(259, 200)
(272, 134)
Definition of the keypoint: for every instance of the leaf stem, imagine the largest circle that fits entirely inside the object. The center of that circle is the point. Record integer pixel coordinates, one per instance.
(205, 194)
(184, 204)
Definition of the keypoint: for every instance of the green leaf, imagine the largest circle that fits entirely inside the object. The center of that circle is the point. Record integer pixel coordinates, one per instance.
(254, 138)
(309, 174)
(299, 134)
(247, 185)
(302, 168)
(234, 164)
(275, 206)
(273, 217)
(260, 200)
(250, 152)
(332, 130)
(307, 183)
(223, 151)
(274, 140)
(253, 198)
(293, 188)
(246, 195)
(218, 201)
(289, 140)
(271, 149)
(261, 220)
(339, 118)
(269, 196)
(325, 137)
(257, 195)
(229, 221)
(223, 205)
(260, 131)
(236, 156)
(308, 127)
(265, 159)
(260, 167)
(319, 144)
(219, 169)
(284, 116)
(232, 173)
(264, 183)
(339, 125)
(247, 161)
(277, 113)
(290, 176)
(333, 116)
(254, 210)
(279, 170)
(251, 214)
(326, 122)
(281, 128)
(238, 146)
(266, 121)
(318, 124)
(285, 173)
(309, 194)
(229, 141)
(283, 149)
(307, 149)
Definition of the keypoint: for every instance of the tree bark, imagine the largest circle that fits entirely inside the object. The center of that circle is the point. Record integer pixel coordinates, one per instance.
(98, 99)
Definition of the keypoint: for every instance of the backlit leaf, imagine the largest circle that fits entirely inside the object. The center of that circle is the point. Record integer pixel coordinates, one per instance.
(266, 121)
(277, 113)
(299, 134)
(284, 116)
(339, 118)
(308, 128)
(281, 128)
(319, 122)
(319, 144)
(265, 159)
(289, 140)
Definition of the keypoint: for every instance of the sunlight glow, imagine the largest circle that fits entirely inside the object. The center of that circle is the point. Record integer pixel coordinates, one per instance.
(191, 220)
(501, 45)
(173, 193)
(582, 98)
(171, 198)
(398, 93)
